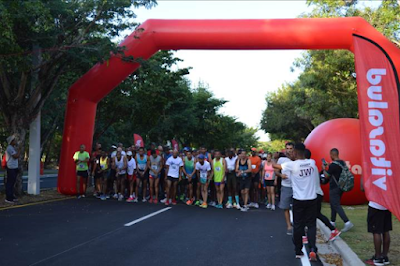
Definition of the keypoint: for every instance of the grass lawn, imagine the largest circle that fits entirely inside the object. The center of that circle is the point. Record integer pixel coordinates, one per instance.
(359, 239)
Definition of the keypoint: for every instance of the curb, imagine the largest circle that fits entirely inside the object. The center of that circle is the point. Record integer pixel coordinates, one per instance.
(348, 255)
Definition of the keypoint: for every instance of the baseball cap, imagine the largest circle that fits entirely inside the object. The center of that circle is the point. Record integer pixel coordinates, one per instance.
(113, 146)
(129, 153)
(261, 151)
(10, 139)
(201, 156)
(254, 149)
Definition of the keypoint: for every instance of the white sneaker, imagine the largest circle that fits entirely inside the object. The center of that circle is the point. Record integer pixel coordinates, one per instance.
(273, 207)
(212, 203)
(347, 226)
(244, 209)
(115, 196)
(120, 198)
(229, 205)
(255, 205)
(238, 207)
(163, 200)
(333, 224)
(251, 204)
(144, 200)
(268, 206)
(135, 200)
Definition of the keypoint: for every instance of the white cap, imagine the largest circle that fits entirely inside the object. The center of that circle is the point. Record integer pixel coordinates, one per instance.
(113, 146)
(129, 153)
(10, 139)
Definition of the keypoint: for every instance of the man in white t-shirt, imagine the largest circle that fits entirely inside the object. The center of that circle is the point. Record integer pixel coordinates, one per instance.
(174, 167)
(231, 180)
(304, 175)
(203, 170)
(286, 195)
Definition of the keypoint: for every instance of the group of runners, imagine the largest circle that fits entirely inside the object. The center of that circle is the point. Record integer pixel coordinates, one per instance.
(231, 178)
(196, 177)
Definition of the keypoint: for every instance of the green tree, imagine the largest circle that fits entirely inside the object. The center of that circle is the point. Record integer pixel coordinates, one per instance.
(63, 37)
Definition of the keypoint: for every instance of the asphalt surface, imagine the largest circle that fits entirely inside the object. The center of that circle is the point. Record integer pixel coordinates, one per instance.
(92, 232)
(46, 181)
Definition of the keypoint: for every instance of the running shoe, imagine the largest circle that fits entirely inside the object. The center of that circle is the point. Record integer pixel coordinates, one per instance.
(155, 201)
(386, 260)
(151, 200)
(333, 224)
(347, 226)
(273, 207)
(130, 199)
(305, 240)
(250, 205)
(229, 205)
(189, 202)
(255, 205)
(289, 232)
(203, 205)
(244, 209)
(135, 200)
(238, 207)
(313, 256)
(144, 200)
(121, 198)
(334, 234)
(83, 196)
(234, 205)
(12, 202)
(220, 206)
(268, 206)
(103, 197)
(173, 202)
(212, 203)
(197, 203)
(163, 200)
(375, 261)
(115, 196)
(182, 198)
(166, 203)
(299, 254)
(107, 196)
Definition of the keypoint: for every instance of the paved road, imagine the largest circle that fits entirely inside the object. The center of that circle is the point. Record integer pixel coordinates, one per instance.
(92, 232)
(46, 181)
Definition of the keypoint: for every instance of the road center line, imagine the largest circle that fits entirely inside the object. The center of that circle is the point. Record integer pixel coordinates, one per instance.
(147, 216)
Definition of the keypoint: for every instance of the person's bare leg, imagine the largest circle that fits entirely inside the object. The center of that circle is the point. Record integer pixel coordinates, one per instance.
(104, 186)
(151, 185)
(272, 192)
(122, 186)
(386, 244)
(168, 189)
(78, 185)
(221, 188)
(190, 191)
(84, 185)
(175, 184)
(378, 245)
(138, 182)
(156, 183)
(204, 192)
(269, 195)
(198, 189)
(144, 187)
(287, 218)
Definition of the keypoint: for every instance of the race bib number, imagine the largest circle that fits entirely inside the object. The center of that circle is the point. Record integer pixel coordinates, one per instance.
(81, 166)
(203, 175)
(142, 166)
(154, 167)
(217, 168)
(102, 166)
(253, 166)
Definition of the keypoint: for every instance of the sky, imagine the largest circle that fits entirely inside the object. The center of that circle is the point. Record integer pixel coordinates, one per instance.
(243, 78)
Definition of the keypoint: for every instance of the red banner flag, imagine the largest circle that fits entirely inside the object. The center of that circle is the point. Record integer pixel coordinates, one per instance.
(138, 140)
(175, 145)
(378, 99)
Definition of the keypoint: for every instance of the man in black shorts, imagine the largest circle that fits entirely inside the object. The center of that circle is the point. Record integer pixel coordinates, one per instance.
(379, 224)
(243, 172)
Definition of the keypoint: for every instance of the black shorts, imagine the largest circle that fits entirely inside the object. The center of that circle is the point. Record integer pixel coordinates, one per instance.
(269, 183)
(379, 221)
(245, 183)
(256, 178)
(121, 176)
(184, 182)
(100, 175)
(173, 179)
(144, 177)
(83, 174)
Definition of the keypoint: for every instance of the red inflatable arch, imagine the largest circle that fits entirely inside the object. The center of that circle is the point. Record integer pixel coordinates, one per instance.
(376, 62)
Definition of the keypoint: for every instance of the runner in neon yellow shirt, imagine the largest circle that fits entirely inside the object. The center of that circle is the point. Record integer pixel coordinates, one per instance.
(218, 168)
(81, 159)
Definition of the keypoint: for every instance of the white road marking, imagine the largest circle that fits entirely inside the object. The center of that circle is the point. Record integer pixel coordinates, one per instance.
(147, 216)
(305, 260)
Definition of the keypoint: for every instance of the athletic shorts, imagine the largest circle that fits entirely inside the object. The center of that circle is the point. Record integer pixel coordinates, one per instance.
(379, 221)
(121, 176)
(144, 177)
(151, 176)
(269, 183)
(83, 174)
(286, 198)
(204, 181)
(245, 183)
(219, 183)
(256, 178)
(173, 179)
(231, 179)
(184, 182)
(131, 177)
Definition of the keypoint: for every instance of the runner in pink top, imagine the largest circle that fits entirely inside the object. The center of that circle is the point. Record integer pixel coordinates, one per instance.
(269, 181)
